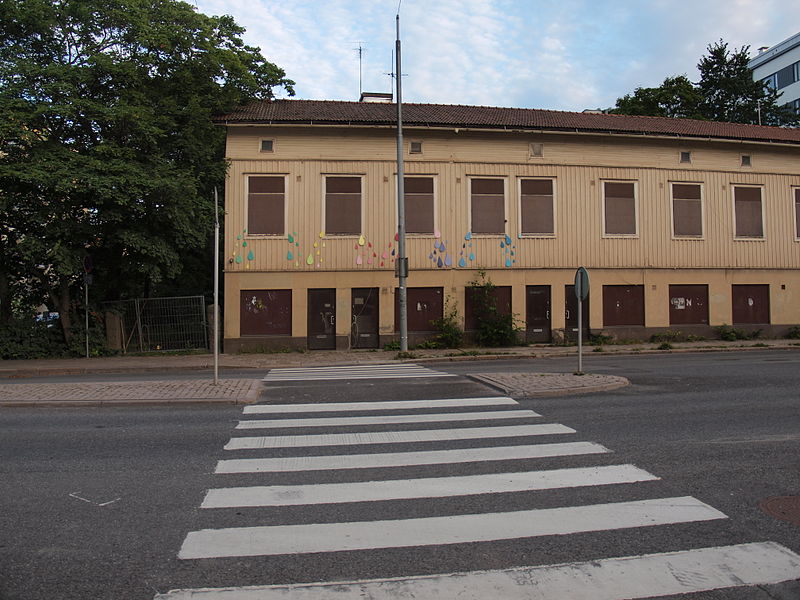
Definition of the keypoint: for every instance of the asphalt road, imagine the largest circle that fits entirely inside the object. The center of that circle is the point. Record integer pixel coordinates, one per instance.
(96, 503)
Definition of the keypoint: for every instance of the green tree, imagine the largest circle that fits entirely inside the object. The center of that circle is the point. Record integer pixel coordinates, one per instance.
(107, 145)
(676, 97)
(726, 92)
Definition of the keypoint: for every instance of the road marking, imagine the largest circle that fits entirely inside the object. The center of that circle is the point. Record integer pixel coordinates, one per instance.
(429, 531)
(353, 372)
(387, 419)
(363, 406)
(429, 487)
(402, 459)
(623, 578)
(393, 437)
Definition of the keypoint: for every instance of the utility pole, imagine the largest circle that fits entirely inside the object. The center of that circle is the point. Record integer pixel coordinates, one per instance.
(216, 287)
(401, 269)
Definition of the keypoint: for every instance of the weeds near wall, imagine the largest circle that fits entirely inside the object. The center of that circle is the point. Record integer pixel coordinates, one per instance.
(493, 327)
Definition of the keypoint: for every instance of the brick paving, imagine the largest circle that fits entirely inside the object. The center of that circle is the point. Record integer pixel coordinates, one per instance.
(532, 385)
(232, 391)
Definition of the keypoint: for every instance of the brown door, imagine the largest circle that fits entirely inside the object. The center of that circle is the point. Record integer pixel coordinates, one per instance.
(322, 319)
(499, 295)
(364, 326)
(537, 313)
(750, 304)
(688, 305)
(623, 305)
(424, 305)
(571, 315)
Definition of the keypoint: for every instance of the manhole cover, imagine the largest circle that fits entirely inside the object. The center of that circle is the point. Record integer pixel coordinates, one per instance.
(786, 508)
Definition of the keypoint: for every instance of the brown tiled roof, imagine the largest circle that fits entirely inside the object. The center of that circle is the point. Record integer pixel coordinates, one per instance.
(331, 112)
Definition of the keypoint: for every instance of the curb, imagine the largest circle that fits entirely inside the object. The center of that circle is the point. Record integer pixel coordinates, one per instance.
(614, 382)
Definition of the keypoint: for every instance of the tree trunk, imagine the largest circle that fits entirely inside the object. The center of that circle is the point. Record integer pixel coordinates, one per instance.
(62, 305)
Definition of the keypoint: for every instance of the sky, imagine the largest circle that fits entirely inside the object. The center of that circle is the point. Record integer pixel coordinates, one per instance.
(552, 54)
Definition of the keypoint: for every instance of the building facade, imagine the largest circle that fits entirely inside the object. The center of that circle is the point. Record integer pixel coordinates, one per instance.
(683, 225)
(779, 68)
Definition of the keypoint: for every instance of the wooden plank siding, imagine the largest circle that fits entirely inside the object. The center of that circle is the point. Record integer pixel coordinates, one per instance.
(579, 164)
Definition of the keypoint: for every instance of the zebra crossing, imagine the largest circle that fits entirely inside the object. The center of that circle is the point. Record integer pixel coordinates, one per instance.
(643, 575)
(397, 371)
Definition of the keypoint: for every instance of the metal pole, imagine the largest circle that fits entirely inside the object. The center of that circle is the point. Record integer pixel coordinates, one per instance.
(216, 287)
(401, 204)
(86, 309)
(580, 335)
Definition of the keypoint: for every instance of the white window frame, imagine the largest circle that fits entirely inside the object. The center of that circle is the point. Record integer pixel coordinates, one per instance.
(435, 178)
(520, 233)
(324, 186)
(505, 205)
(421, 146)
(623, 236)
(763, 236)
(266, 236)
(261, 145)
(795, 190)
(702, 236)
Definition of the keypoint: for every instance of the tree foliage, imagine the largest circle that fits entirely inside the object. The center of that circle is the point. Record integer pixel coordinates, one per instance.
(107, 145)
(726, 92)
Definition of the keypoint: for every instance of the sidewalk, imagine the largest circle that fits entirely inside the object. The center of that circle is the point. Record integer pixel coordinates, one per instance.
(14, 392)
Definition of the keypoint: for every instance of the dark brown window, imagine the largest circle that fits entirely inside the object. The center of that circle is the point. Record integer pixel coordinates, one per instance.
(415, 148)
(686, 157)
(266, 200)
(687, 210)
(424, 305)
(747, 209)
(797, 212)
(487, 197)
(265, 312)
(536, 207)
(343, 205)
(419, 204)
(750, 304)
(267, 145)
(688, 305)
(623, 305)
(499, 295)
(620, 208)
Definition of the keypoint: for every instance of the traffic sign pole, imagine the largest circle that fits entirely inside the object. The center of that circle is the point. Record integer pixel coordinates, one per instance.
(581, 292)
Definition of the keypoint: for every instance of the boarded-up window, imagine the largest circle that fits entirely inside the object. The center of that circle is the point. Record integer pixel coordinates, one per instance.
(797, 212)
(536, 206)
(687, 210)
(620, 208)
(265, 312)
(688, 305)
(750, 304)
(747, 208)
(623, 305)
(499, 295)
(419, 204)
(265, 205)
(487, 198)
(343, 205)
(424, 305)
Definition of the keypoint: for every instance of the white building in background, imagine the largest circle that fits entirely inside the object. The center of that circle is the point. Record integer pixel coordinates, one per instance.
(779, 67)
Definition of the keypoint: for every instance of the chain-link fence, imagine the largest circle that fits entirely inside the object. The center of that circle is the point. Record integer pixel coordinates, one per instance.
(156, 324)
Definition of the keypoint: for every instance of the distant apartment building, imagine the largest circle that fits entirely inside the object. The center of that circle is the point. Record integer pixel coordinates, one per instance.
(779, 68)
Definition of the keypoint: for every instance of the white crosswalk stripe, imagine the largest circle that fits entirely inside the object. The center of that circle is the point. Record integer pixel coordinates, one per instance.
(606, 578)
(353, 372)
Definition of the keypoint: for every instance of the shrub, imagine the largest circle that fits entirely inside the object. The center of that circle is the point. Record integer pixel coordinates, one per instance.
(493, 327)
(450, 334)
(731, 334)
(793, 333)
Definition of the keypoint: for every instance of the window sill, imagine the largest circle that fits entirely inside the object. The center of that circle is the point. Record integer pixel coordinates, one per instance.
(541, 236)
(688, 238)
(750, 239)
(620, 236)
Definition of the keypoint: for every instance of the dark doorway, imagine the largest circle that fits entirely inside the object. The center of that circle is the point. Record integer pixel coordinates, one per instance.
(571, 315)
(688, 305)
(623, 305)
(322, 319)
(537, 313)
(750, 304)
(364, 326)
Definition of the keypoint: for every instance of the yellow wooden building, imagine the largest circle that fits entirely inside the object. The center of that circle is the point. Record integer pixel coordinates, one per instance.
(683, 225)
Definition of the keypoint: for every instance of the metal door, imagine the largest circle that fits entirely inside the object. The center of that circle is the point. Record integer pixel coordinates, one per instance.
(537, 313)
(364, 326)
(688, 305)
(322, 319)
(750, 304)
(571, 315)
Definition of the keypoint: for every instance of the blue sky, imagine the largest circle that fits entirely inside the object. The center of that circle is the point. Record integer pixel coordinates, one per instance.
(554, 54)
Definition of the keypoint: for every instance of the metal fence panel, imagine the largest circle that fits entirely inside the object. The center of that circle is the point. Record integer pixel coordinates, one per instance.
(157, 324)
